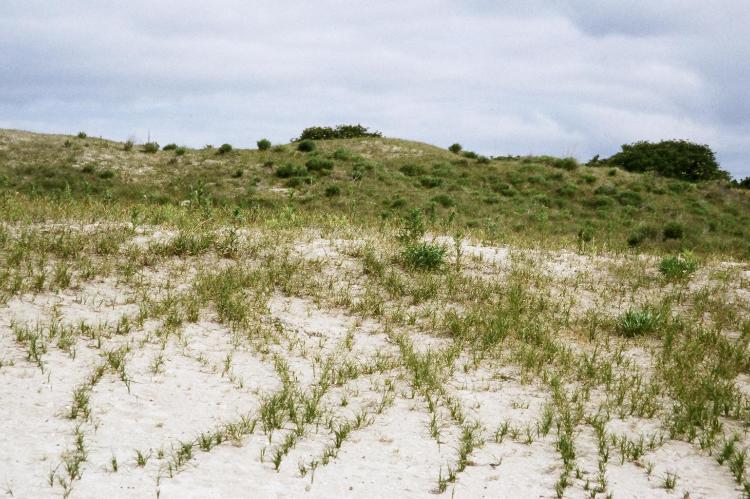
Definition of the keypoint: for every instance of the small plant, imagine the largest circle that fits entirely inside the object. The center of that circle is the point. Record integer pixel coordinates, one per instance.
(306, 145)
(128, 145)
(81, 135)
(424, 256)
(179, 151)
(169, 147)
(678, 267)
(332, 190)
(319, 165)
(263, 144)
(238, 173)
(150, 147)
(638, 322)
(224, 149)
(673, 230)
(455, 148)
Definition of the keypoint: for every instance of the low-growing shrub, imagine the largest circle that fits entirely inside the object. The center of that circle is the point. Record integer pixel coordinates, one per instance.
(411, 170)
(444, 200)
(430, 182)
(673, 230)
(332, 190)
(105, 174)
(263, 144)
(629, 198)
(641, 234)
(90, 168)
(319, 164)
(455, 148)
(81, 135)
(339, 132)
(424, 256)
(238, 173)
(306, 145)
(150, 147)
(169, 147)
(224, 149)
(279, 148)
(470, 155)
(568, 163)
(180, 151)
(678, 267)
(128, 145)
(343, 154)
(637, 322)
(290, 170)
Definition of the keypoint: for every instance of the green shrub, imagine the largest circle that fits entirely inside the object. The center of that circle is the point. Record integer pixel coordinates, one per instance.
(306, 145)
(398, 202)
(279, 148)
(82, 135)
(673, 230)
(630, 198)
(430, 182)
(568, 163)
(169, 147)
(128, 145)
(483, 160)
(678, 267)
(589, 179)
(263, 144)
(238, 173)
(339, 132)
(343, 154)
(413, 227)
(455, 148)
(411, 170)
(150, 147)
(180, 151)
(224, 149)
(638, 322)
(290, 170)
(444, 200)
(319, 164)
(670, 158)
(470, 155)
(297, 181)
(105, 174)
(424, 256)
(567, 190)
(332, 190)
(641, 234)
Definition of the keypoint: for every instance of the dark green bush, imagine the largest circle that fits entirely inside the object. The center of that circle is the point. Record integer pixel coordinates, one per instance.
(150, 147)
(128, 145)
(670, 158)
(339, 132)
(319, 164)
(673, 230)
(169, 147)
(569, 164)
(424, 256)
(106, 174)
(430, 182)
(238, 173)
(290, 170)
(641, 234)
(306, 145)
(82, 135)
(343, 154)
(180, 151)
(332, 190)
(224, 148)
(470, 155)
(444, 200)
(263, 144)
(455, 148)
(411, 170)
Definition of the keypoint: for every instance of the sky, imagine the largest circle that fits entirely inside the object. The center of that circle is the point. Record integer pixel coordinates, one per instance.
(562, 77)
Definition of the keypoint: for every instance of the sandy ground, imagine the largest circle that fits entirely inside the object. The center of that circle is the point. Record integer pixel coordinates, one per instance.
(207, 379)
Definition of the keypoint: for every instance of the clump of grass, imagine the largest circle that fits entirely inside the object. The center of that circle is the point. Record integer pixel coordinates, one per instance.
(637, 322)
(424, 256)
(678, 267)
(319, 165)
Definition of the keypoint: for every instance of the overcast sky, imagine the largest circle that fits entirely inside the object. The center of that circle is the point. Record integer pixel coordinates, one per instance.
(564, 77)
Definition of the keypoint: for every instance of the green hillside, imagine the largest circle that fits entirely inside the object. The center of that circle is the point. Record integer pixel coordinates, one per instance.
(524, 200)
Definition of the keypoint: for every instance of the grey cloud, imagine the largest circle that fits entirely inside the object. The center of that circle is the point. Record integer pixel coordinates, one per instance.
(514, 77)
